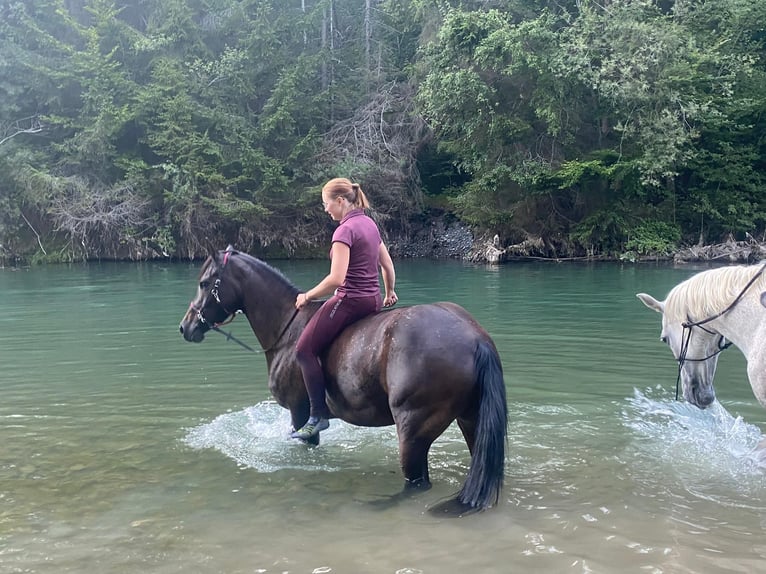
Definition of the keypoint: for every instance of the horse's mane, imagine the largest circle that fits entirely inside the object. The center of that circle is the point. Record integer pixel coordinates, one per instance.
(259, 263)
(710, 292)
(252, 262)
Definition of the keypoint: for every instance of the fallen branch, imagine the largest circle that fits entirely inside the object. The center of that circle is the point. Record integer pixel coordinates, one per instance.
(39, 241)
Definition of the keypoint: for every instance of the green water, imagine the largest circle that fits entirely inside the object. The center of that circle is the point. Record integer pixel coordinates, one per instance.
(125, 449)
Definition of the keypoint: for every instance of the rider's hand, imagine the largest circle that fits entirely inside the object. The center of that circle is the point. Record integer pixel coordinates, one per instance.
(390, 299)
(300, 300)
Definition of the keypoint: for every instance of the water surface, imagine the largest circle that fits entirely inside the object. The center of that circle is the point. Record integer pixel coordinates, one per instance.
(126, 449)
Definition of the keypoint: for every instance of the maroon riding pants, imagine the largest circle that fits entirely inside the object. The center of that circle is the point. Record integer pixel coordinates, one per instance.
(332, 317)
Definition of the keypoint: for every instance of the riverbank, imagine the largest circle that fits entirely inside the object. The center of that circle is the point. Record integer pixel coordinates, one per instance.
(447, 238)
(443, 239)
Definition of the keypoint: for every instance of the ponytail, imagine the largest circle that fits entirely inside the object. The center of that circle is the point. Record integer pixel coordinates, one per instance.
(360, 200)
(351, 192)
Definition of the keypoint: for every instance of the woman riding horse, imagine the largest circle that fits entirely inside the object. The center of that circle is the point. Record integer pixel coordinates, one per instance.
(420, 368)
(357, 251)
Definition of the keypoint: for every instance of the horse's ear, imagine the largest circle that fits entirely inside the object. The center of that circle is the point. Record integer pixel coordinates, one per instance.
(651, 302)
(217, 255)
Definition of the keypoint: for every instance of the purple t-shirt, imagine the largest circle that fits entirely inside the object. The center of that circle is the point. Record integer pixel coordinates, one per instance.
(362, 236)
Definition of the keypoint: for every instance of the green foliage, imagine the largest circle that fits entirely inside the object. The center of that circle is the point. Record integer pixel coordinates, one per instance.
(163, 239)
(577, 173)
(483, 203)
(602, 231)
(653, 238)
(611, 113)
(217, 121)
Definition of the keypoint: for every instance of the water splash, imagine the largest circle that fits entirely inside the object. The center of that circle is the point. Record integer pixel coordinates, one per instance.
(715, 455)
(258, 437)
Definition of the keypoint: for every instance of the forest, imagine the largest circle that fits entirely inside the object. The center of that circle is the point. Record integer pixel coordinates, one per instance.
(142, 129)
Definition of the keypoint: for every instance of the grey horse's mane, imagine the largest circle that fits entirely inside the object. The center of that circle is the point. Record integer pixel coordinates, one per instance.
(710, 292)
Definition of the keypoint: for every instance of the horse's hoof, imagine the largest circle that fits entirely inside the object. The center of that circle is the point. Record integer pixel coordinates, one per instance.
(417, 484)
(452, 508)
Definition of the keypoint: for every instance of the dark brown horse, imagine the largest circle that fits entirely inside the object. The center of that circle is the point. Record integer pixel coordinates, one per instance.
(418, 367)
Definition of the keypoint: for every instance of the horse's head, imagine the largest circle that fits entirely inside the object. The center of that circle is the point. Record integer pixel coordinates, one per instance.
(209, 307)
(695, 348)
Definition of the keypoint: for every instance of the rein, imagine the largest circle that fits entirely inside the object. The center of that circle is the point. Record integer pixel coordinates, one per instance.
(230, 337)
(283, 331)
(723, 344)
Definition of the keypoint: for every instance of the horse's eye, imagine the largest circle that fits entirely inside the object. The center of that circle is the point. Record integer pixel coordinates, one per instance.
(664, 339)
(204, 285)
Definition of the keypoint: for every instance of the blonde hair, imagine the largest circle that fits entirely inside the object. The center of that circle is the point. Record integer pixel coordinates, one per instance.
(351, 192)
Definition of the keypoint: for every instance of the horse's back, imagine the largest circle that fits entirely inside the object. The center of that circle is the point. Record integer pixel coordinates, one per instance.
(423, 330)
(404, 356)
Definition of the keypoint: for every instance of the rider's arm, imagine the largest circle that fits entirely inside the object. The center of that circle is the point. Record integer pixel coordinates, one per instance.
(389, 275)
(341, 254)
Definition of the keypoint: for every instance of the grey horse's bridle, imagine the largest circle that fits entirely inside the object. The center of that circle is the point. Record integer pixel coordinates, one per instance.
(723, 344)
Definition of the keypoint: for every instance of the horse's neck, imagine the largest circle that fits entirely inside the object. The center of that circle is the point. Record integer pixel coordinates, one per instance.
(268, 302)
(743, 325)
(746, 328)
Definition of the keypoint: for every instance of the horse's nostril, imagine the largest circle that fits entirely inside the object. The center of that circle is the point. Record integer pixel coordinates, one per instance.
(181, 329)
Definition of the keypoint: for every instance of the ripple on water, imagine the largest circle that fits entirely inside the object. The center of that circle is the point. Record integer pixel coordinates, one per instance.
(715, 455)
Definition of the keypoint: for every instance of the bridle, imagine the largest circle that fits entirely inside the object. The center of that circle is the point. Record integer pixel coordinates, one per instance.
(214, 293)
(723, 344)
(686, 336)
(231, 315)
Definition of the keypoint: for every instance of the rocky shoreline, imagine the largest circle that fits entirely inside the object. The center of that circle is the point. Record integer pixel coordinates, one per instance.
(445, 240)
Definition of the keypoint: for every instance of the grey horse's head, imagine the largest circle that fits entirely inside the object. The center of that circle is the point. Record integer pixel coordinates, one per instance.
(695, 349)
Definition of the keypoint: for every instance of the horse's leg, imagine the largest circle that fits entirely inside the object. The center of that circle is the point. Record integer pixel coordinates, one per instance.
(417, 429)
(468, 428)
(413, 457)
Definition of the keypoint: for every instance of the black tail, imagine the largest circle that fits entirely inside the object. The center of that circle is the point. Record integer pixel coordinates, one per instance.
(485, 478)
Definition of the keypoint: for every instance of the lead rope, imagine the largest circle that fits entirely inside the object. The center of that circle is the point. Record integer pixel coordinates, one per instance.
(686, 336)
